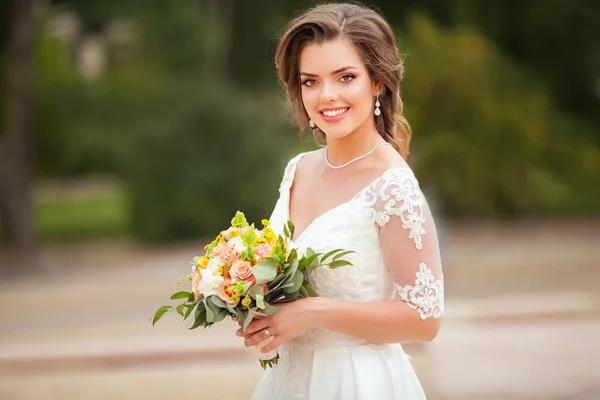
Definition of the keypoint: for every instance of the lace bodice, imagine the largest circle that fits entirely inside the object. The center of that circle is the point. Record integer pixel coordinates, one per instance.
(389, 226)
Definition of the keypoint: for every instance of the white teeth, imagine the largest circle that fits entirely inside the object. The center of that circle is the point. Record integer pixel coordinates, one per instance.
(335, 112)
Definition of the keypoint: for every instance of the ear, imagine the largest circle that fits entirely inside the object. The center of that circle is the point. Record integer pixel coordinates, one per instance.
(377, 89)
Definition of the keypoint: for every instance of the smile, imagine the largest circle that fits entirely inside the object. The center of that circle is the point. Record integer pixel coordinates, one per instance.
(334, 113)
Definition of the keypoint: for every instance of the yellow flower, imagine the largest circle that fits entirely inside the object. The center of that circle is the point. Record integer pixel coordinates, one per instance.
(234, 233)
(246, 301)
(202, 262)
(266, 222)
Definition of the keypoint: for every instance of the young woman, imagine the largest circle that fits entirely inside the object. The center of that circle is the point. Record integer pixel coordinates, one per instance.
(342, 70)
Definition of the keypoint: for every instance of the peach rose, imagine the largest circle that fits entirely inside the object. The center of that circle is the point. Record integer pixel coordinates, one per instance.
(195, 281)
(241, 270)
(226, 294)
(262, 251)
(222, 250)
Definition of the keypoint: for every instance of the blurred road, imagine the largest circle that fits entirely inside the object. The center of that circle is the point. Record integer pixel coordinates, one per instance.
(523, 322)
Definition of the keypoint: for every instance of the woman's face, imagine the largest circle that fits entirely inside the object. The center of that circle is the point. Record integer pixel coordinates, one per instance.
(337, 92)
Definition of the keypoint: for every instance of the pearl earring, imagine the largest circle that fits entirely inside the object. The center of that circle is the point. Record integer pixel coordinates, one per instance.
(377, 104)
(311, 123)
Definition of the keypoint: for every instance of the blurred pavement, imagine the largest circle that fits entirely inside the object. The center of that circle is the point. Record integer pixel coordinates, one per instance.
(522, 322)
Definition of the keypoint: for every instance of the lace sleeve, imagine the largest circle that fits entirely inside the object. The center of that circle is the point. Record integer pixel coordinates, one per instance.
(409, 242)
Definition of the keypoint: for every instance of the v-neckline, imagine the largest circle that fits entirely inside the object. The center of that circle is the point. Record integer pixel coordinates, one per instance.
(330, 210)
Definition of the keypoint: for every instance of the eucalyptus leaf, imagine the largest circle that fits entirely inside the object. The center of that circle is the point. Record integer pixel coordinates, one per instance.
(220, 315)
(289, 271)
(275, 282)
(269, 309)
(297, 280)
(216, 300)
(264, 272)
(260, 301)
(247, 320)
(159, 313)
(210, 311)
(255, 291)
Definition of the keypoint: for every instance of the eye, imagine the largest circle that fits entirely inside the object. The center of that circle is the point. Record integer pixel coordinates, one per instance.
(309, 82)
(347, 78)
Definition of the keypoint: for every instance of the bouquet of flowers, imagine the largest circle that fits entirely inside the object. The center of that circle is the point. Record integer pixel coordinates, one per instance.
(244, 272)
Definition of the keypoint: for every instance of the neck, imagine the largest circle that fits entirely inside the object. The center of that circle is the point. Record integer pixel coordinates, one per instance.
(340, 151)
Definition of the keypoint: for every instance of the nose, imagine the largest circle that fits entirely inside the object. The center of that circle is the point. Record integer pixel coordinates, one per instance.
(328, 93)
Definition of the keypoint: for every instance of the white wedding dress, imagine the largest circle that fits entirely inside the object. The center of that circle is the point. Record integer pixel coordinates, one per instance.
(389, 226)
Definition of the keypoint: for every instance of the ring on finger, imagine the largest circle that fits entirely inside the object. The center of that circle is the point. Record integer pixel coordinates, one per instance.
(267, 332)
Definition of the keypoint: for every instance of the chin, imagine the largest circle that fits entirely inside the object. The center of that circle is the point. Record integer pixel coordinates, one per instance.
(338, 131)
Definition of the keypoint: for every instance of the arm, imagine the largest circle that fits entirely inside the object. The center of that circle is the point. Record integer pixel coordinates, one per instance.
(410, 251)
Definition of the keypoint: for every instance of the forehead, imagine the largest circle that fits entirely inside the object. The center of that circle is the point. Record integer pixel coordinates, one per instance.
(323, 58)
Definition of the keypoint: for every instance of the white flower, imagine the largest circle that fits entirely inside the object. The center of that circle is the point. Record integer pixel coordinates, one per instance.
(214, 265)
(209, 283)
(238, 244)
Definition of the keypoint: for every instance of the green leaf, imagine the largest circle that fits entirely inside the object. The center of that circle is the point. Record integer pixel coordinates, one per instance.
(260, 301)
(303, 292)
(211, 310)
(220, 315)
(180, 308)
(192, 297)
(342, 254)
(297, 280)
(291, 228)
(190, 307)
(199, 315)
(248, 319)
(269, 309)
(289, 271)
(311, 291)
(293, 255)
(275, 282)
(255, 291)
(265, 272)
(159, 313)
(181, 295)
(339, 263)
(329, 254)
(216, 300)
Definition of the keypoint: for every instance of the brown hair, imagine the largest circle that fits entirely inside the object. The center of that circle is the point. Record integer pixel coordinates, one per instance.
(375, 41)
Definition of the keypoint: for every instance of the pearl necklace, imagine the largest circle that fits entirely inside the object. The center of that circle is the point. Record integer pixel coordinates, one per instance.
(354, 159)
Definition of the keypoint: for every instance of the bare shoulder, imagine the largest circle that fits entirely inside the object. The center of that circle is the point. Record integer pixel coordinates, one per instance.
(385, 159)
(308, 161)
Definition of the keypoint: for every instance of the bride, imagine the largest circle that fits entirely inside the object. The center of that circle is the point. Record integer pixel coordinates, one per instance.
(342, 71)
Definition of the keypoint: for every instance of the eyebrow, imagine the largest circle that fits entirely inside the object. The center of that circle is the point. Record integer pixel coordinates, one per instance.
(337, 71)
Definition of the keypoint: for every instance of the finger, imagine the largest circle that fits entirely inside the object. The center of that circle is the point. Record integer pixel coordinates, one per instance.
(264, 343)
(257, 325)
(256, 338)
(272, 345)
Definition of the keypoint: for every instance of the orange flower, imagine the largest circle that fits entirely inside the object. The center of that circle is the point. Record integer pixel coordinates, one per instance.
(226, 293)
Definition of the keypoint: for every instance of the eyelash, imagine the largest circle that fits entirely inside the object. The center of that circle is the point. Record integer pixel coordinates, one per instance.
(351, 76)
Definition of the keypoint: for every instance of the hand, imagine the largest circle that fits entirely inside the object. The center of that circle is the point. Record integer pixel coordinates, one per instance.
(292, 320)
